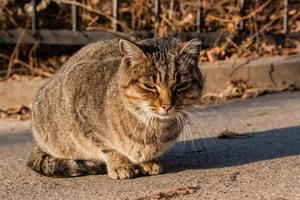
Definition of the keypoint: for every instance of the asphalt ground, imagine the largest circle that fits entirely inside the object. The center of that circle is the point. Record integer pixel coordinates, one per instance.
(262, 162)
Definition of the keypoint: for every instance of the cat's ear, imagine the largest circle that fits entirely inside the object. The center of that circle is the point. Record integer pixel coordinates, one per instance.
(131, 51)
(191, 49)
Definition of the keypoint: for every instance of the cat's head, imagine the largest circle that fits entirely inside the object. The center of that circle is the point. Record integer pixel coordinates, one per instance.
(160, 77)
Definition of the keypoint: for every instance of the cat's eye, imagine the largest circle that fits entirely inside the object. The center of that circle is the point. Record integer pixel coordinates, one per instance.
(149, 86)
(182, 86)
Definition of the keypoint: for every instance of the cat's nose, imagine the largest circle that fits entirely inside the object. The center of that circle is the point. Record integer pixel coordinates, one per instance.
(166, 107)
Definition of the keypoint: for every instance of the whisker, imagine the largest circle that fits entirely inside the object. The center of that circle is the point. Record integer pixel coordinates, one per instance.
(180, 129)
(199, 107)
(183, 130)
(197, 122)
(206, 108)
(135, 128)
(189, 132)
(203, 107)
(149, 116)
(202, 123)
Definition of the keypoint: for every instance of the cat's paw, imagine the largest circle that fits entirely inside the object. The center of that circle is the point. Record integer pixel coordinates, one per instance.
(150, 168)
(122, 172)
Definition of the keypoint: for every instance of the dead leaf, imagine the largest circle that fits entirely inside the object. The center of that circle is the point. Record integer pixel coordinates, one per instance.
(171, 193)
(18, 113)
(232, 135)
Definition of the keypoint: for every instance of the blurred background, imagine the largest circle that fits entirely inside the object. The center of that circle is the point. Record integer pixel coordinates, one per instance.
(236, 149)
(37, 37)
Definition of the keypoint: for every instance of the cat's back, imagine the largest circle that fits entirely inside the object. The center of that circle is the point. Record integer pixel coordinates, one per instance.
(83, 79)
(104, 55)
(95, 63)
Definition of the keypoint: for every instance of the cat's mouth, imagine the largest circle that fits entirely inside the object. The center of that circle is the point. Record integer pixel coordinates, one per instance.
(163, 114)
(147, 112)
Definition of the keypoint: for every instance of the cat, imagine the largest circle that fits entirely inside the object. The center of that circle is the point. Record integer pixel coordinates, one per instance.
(114, 107)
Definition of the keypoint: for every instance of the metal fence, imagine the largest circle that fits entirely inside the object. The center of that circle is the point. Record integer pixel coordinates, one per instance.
(81, 37)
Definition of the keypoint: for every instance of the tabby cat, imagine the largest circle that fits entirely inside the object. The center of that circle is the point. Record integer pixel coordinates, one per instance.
(115, 107)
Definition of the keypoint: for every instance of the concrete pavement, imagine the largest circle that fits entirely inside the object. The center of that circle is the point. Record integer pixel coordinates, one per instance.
(265, 164)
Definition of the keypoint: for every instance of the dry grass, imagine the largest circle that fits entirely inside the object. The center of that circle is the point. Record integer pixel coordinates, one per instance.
(247, 31)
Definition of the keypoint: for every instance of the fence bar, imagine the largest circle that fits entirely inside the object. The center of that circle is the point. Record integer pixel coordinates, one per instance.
(157, 9)
(115, 14)
(74, 18)
(199, 17)
(157, 17)
(34, 18)
(242, 6)
(285, 16)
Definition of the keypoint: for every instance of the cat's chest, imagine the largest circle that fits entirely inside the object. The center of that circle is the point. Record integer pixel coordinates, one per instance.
(151, 147)
(139, 153)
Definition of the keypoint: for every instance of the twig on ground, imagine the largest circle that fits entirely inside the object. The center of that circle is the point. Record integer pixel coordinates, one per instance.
(32, 58)
(177, 192)
(11, 19)
(23, 64)
(238, 20)
(259, 9)
(14, 53)
(35, 70)
(98, 12)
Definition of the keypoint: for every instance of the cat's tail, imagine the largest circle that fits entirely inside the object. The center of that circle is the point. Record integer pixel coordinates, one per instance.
(49, 165)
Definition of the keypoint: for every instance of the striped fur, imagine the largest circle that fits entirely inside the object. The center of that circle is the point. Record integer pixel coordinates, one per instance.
(107, 105)
(48, 165)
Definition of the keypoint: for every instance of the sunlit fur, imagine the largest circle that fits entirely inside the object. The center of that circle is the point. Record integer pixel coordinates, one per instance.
(160, 75)
(117, 106)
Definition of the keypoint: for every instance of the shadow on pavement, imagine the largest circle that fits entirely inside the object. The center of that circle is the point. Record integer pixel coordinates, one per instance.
(265, 145)
(15, 139)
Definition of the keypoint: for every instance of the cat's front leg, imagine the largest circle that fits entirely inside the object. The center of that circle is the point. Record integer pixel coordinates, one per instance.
(118, 166)
(150, 167)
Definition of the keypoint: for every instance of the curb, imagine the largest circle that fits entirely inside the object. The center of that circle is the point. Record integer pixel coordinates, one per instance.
(274, 73)
(270, 73)
(17, 93)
